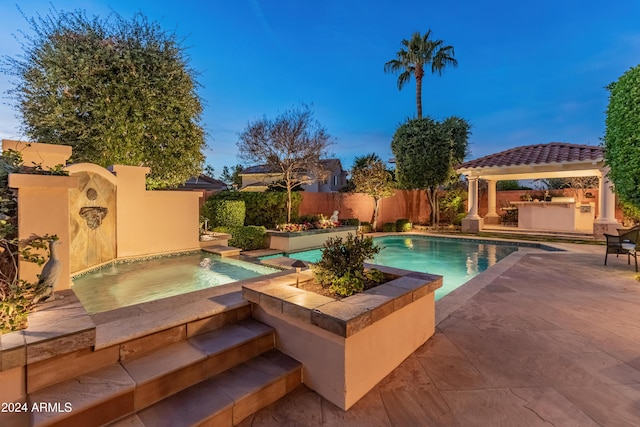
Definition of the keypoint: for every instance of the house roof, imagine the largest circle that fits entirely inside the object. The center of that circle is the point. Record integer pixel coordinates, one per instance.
(330, 164)
(538, 154)
(259, 169)
(203, 182)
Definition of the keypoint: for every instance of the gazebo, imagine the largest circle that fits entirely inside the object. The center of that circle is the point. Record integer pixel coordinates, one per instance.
(553, 160)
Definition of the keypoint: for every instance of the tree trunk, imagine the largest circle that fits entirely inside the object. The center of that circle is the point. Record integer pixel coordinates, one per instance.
(432, 198)
(288, 204)
(374, 218)
(419, 72)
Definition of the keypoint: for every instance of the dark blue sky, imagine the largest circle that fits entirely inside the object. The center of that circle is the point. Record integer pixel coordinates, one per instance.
(529, 72)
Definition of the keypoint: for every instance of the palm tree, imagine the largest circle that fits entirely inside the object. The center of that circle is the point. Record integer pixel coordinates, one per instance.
(417, 53)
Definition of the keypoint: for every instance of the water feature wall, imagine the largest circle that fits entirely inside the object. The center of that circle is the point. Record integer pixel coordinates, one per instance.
(98, 214)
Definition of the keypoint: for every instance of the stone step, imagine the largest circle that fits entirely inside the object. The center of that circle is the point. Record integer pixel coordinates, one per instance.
(93, 399)
(166, 371)
(62, 367)
(107, 394)
(223, 251)
(225, 399)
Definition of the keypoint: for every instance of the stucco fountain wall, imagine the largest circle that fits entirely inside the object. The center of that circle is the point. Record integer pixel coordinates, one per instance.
(98, 214)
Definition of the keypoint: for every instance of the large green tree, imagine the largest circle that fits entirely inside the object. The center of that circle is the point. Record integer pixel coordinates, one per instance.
(426, 152)
(118, 91)
(291, 144)
(418, 52)
(370, 176)
(622, 136)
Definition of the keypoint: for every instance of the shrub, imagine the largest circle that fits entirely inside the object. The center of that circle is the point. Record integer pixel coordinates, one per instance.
(247, 238)
(307, 219)
(459, 218)
(341, 267)
(265, 209)
(452, 203)
(365, 227)
(403, 225)
(631, 213)
(389, 227)
(351, 221)
(225, 213)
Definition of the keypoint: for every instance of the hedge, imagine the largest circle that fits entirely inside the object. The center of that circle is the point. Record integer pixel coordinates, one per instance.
(264, 209)
(225, 213)
(247, 238)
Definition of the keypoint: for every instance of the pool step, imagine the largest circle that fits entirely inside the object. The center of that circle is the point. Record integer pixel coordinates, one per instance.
(223, 251)
(110, 393)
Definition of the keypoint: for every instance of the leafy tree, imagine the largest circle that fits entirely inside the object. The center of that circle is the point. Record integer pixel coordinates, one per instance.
(417, 53)
(209, 170)
(622, 136)
(370, 176)
(292, 144)
(231, 176)
(119, 91)
(426, 153)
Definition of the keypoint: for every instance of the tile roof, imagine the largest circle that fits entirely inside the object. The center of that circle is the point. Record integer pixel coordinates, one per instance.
(554, 152)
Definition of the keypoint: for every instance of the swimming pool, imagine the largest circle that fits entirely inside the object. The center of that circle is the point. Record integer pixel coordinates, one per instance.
(457, 260)
(125, 284)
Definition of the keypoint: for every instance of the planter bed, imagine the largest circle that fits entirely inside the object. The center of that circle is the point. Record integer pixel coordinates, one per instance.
(294, 241)
(347, 346)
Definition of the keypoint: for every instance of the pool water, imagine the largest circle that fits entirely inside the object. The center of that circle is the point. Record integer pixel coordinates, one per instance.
(457, 260)
(122, 285)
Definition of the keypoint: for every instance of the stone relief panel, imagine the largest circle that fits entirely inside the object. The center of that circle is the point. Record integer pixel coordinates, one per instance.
(92, 221)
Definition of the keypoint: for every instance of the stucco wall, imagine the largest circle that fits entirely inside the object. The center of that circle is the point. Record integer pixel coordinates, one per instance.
(411, 204)
(343, 370)
(153, 222)
(403, 204)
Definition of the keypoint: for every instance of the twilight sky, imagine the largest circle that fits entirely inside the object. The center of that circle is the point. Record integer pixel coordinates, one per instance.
(529, 72)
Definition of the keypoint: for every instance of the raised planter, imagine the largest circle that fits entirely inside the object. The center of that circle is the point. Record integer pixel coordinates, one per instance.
(299, 240)
(347, 346)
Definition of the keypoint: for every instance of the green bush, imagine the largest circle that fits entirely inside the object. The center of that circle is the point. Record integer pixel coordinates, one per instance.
(311, 219)
(365, 227)
(389, 227)
(264, 209)
(341, 267)
(631, 213)
(247, 238)
(459, 218)
(225, 213)
(403, 225)
(351, 221)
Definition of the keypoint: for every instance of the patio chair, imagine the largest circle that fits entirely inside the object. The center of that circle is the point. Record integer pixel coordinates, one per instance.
(626, 242)
(510, 215)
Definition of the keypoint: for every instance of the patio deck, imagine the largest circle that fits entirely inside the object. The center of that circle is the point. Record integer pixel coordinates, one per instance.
(540, 339)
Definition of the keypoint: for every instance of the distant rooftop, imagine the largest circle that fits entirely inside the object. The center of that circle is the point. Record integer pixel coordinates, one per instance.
(264, 169)
(554, 152)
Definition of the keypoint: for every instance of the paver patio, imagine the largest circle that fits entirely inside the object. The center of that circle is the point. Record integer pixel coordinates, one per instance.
(541, 339)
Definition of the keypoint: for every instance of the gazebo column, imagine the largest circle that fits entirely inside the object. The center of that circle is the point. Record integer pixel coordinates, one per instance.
(472, 223)
(492, 217)
(606, 221)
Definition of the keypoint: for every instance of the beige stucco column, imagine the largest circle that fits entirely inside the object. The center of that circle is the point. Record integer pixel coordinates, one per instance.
(473, 222)
(492, 217)
(43, 208)
(606, 221)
